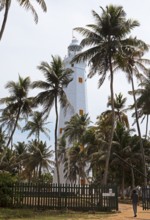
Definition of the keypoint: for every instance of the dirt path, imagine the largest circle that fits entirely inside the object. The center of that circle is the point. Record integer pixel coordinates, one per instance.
(126, 213)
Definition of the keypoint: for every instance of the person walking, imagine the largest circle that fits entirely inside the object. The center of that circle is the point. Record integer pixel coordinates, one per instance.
(135, 200)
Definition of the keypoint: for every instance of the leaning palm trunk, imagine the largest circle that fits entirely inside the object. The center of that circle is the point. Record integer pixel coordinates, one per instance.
(139, 133)
(112, 128)
(147, 119)
(7, 4)
(56, 150)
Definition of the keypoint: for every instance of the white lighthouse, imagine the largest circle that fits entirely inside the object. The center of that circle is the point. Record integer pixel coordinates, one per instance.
(76, 94)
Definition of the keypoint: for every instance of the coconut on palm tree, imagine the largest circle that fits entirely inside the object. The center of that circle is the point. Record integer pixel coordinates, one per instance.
(57, 77)
(104, 41)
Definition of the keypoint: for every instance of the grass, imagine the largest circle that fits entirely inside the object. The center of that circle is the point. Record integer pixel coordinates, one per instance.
(27, 214)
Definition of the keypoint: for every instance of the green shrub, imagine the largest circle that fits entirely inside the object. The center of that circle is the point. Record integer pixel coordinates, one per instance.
(6, 181)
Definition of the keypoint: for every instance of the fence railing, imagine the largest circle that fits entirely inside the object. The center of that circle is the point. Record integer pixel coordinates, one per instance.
(146, 197)
(74, 197)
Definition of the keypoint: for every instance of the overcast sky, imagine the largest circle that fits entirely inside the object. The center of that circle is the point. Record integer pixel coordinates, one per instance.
(25, 44)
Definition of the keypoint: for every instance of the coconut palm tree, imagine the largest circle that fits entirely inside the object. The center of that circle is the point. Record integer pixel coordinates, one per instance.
(18, 103)
(20, 148)
(95, 148)
(8, 120)
(119, 106)
(8, 162)
(143, 100)
(74, 132)
(5, 4)
(37, 125)
(56, 79)
(3, 139)
(75, 128)
(38, 157)
(122, 147)
(132, 62)
(75, 164)
(104, 40)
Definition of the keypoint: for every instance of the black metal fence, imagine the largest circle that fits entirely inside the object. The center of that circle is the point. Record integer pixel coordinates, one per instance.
(73, 197)
(146, 197)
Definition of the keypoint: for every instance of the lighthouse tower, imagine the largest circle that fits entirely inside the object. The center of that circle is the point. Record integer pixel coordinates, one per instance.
(76, 94)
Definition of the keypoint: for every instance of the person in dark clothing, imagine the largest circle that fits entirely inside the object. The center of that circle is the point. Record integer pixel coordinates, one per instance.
(135, 200)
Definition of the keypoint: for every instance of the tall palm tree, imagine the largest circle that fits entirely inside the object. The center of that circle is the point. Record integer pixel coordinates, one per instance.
(37, 125)
(18, 103)
(143, 100)
(104, 41)
(132, 62)
(56, 79)
(5, 4)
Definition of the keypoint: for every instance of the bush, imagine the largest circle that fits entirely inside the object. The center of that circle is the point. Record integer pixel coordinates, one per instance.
(6, 181)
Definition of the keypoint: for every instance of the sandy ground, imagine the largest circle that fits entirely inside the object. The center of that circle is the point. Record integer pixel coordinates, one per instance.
(126, 213)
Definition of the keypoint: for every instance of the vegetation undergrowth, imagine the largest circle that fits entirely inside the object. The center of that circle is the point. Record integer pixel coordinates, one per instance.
(28, 214)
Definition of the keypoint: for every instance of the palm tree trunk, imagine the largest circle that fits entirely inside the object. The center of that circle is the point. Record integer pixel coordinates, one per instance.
(112, 128)
(38, 136)
(132, 176)
(123, 175)
(139, 133)
(7, 4)
(40, 169)
(120, 120)
(147, 119)
(56, 150)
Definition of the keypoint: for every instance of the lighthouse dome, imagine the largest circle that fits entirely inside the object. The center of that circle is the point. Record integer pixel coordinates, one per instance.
(74, 46)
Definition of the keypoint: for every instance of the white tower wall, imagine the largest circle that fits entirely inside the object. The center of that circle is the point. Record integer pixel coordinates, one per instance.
(76, 94)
